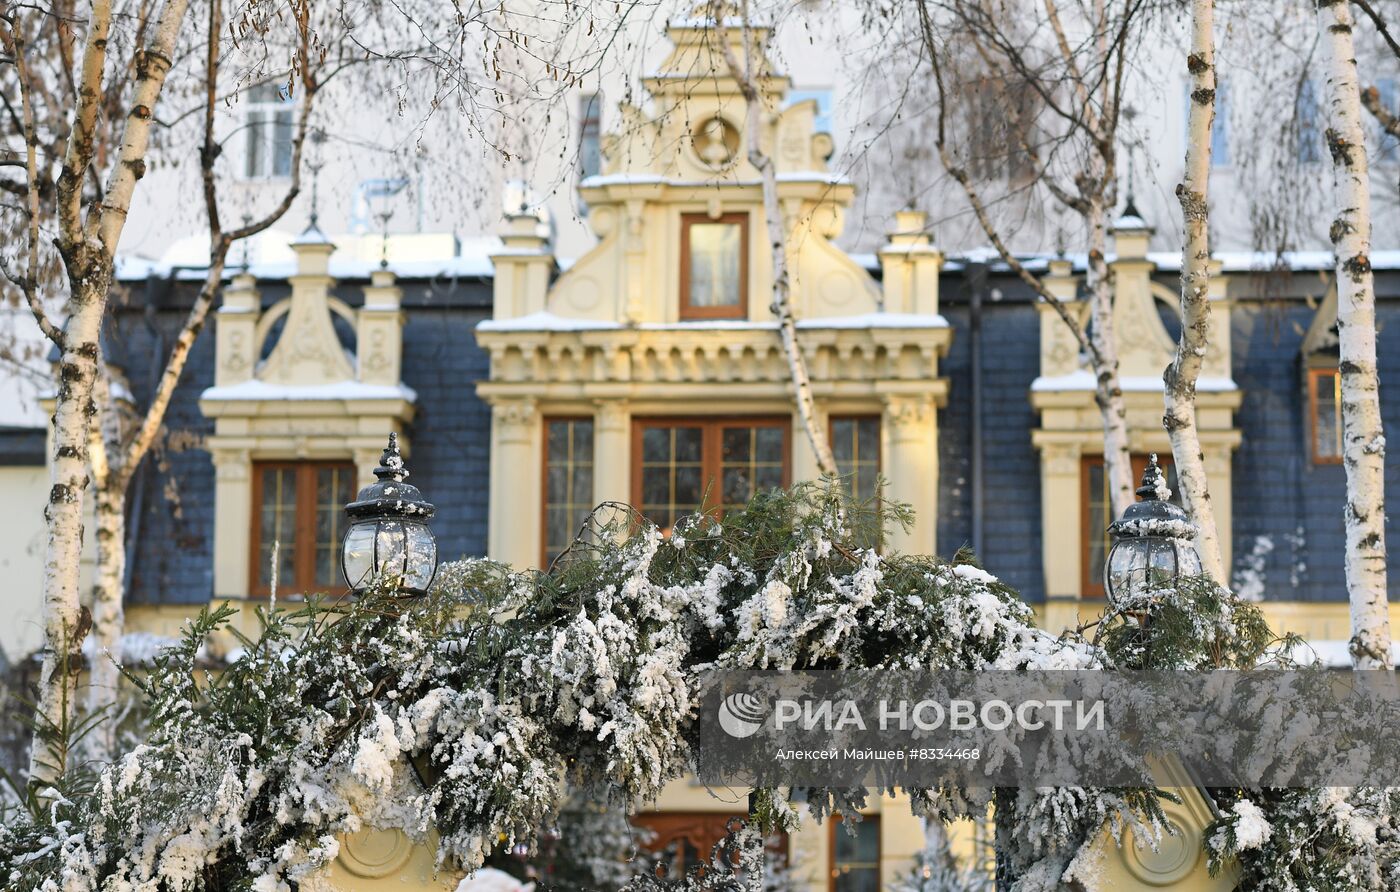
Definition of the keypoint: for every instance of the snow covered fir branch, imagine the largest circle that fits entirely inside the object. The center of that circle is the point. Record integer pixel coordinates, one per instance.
(473, 714)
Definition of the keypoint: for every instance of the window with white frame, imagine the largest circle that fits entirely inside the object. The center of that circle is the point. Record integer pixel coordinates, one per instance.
(268, 114)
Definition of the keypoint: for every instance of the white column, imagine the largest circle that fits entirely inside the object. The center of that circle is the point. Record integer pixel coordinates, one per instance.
(910, 435)
(612, 452)
(513, 534)
(233, 522)
(1061, 548)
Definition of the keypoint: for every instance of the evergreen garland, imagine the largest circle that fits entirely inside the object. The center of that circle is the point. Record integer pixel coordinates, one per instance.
(476, 709)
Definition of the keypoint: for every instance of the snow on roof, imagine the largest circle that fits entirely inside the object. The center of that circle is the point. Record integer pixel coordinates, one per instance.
(1332, 653)
(1083, 379)
(546, 321)
(338, 390)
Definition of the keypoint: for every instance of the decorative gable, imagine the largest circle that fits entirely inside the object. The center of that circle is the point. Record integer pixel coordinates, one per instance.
(308, 378)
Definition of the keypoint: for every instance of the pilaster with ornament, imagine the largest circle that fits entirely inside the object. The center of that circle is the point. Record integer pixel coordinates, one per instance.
(379, 331)
(236, 347)
(233, 496)
(1061, 530)
(1059, 351)
(513, 530)
(612, 451)
(909, 429)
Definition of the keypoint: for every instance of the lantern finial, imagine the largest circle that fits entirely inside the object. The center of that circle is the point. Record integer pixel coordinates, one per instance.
(1154, 483)
(391, 466)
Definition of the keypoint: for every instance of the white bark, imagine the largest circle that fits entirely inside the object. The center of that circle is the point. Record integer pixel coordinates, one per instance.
(1179, 380)
(87, 249)
(1108, 394)
(777, 232)
(1363, 437)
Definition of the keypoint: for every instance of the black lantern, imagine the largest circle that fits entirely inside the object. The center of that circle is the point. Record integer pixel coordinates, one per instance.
(389, 537)
(1152, 545)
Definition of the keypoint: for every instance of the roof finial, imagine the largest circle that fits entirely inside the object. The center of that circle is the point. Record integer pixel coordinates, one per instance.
(1154, 483)
(318, 136)
(384, 218)
(391, 464)
(247, 221)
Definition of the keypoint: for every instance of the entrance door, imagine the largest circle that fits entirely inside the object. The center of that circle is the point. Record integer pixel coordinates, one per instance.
(685, 465)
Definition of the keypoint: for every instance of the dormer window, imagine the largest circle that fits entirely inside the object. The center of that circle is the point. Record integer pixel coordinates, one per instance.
(714, 266)
(1325, 411)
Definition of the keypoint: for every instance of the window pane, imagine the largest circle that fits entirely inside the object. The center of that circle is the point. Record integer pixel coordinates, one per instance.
(1098, 523)
(255, 137)
(751, 458)
(856, 856)
(855, 443)
(568, 482)
(277, 518)
(1327, 417)
(335, 488)
(282, 145)
(673, 478)
(589, 151)
(714, 264)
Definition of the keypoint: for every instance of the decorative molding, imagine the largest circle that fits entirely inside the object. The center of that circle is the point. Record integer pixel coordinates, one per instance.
(372, 853)
(1061, 459)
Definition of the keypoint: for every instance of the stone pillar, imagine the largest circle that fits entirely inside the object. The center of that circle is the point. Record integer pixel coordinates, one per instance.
(804, 459)
(379, 331)
(523, 268)
(513, 531)
(910, 265)
(1061, 548)
(612, 452)
(910, 434)
(1219, 472)
(233, 522)
(235, 332)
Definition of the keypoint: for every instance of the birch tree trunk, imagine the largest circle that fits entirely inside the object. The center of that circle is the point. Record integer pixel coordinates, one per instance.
(1179, 380)
(1108, 393)
(88, 248)
(777, 232)
(1363, 437)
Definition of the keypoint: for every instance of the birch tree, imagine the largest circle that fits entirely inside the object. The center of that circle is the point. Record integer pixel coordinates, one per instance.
(88, 228)
(121, 438)
(1076, 74)
(1363, 437)
(775, 220)
(1179, 379)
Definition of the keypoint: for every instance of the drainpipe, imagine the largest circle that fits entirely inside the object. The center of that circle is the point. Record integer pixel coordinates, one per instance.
(977, 288)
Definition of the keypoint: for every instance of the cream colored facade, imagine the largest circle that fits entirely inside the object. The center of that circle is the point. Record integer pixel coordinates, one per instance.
(606, 340)
(1071, 427)
(308, 398)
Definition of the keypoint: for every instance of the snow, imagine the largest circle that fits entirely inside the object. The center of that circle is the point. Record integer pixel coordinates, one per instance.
(1331, 653)
(137, 648)
(1250, 578)
(545, 321)
(1083, 379)
(1251, 829)
(489, 879)
(1129, 222)
(877, 320)
(337, 390)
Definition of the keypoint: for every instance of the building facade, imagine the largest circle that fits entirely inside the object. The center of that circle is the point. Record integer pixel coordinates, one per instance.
(527, 388)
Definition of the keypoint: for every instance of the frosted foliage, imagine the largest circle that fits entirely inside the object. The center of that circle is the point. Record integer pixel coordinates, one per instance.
(476, 709)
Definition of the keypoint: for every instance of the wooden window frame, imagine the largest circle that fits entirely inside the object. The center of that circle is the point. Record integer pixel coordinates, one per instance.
(834, 827)
(739, 310)
(304, 529)
(711, 447)
(544, 476)
(1313, 376)
(670, 826)
(1094, 588)
(858, 417)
